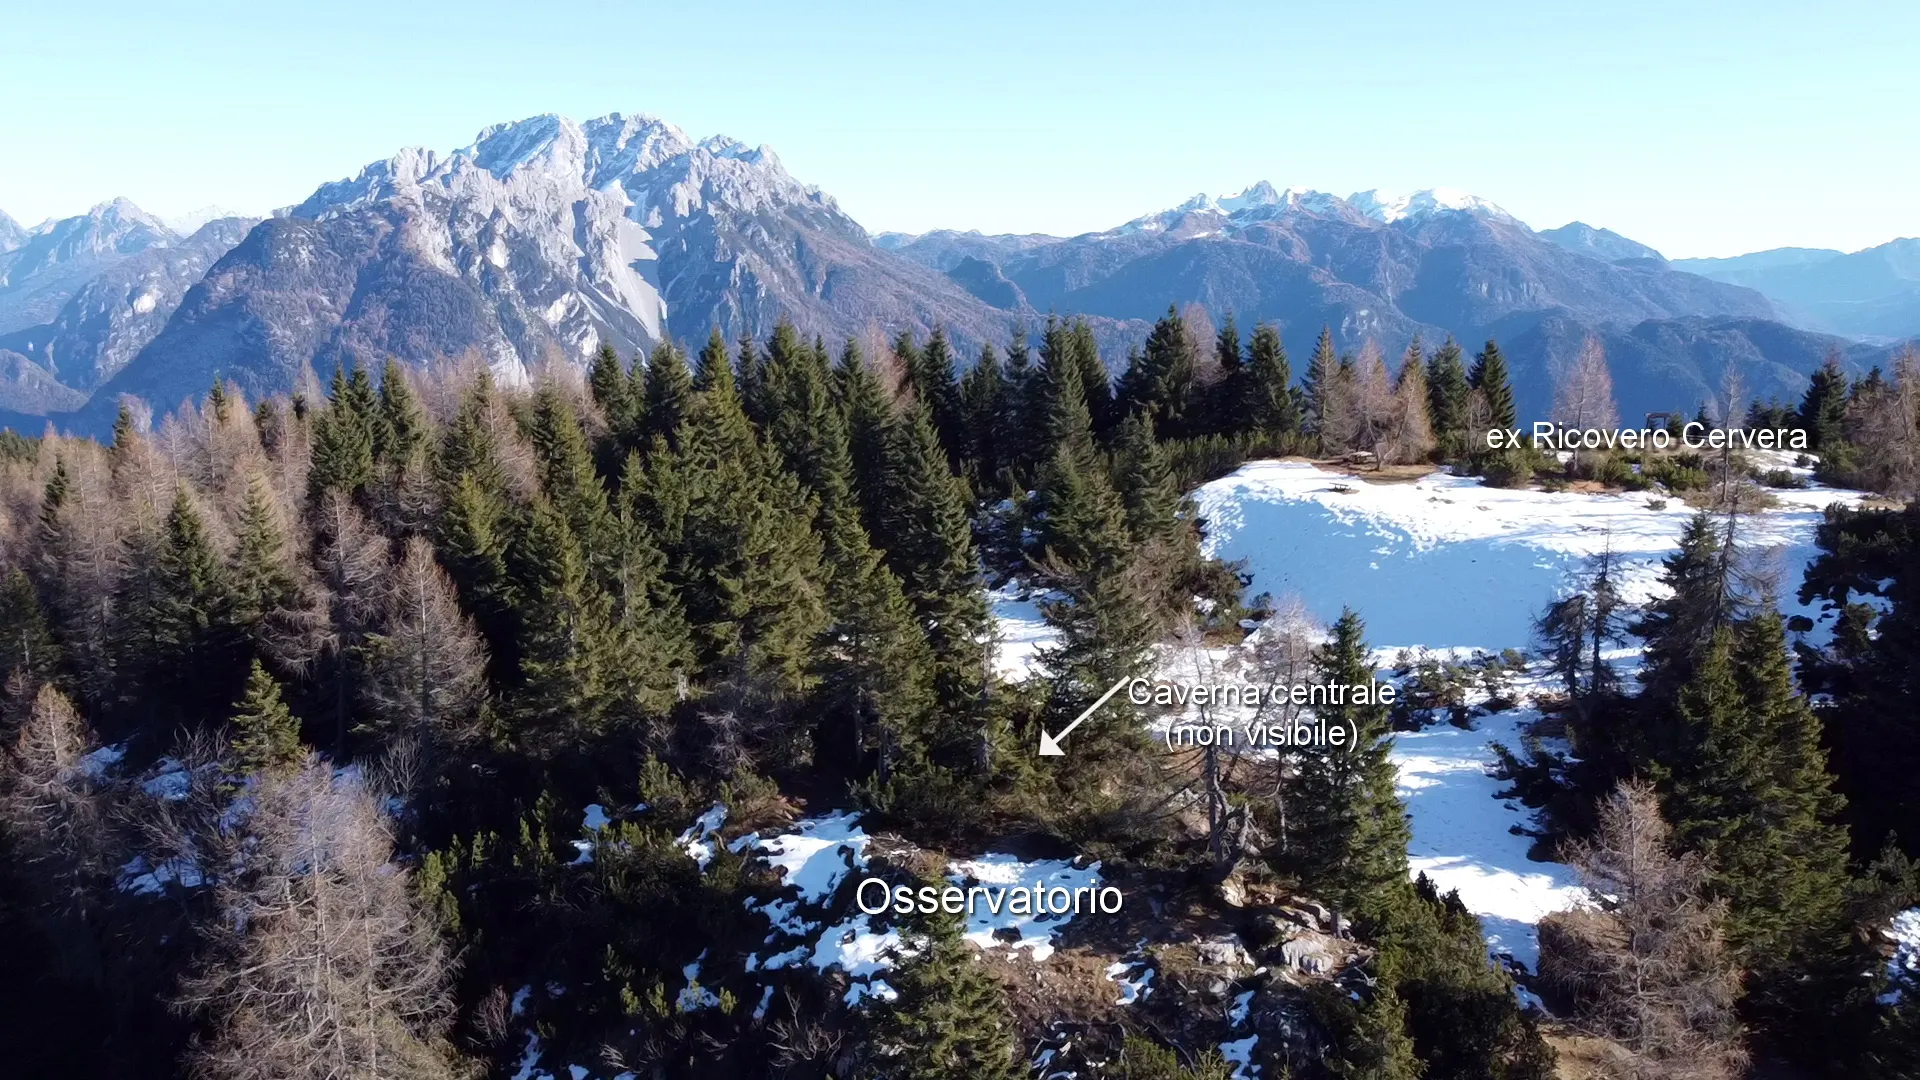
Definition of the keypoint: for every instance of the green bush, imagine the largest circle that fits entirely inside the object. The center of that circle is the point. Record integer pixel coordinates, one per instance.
(1676, 474)
(1507, 469)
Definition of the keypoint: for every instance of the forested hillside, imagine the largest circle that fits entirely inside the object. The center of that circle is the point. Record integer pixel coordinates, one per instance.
(431, 726)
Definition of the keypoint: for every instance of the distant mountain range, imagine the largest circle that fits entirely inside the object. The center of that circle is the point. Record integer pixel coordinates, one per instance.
(1872, 294)
(545, 238)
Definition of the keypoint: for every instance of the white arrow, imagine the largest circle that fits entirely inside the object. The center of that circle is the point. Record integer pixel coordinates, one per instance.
(1050, 744)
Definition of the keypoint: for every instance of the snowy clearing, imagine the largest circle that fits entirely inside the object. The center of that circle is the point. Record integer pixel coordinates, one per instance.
(1445, 562)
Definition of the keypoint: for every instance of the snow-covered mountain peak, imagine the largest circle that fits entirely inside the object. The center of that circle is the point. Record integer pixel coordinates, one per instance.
(12, 234)
(1259, 194)
(1257, 202)
(1388, 209)
(662, 171)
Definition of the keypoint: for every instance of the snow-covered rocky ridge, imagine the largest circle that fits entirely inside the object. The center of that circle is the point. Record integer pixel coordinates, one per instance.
(1263, 202)
(1447, 565)
(567, 218)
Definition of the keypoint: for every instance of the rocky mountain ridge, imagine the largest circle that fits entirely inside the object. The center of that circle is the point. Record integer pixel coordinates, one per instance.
(544, 238)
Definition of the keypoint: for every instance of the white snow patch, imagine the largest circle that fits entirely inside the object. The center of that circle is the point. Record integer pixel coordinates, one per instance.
(1239, 1054)
(96, 764)
(695, 997)
(697, 841)
(813, 860)
(863, 953)
(1035, 932)
(1462, 836)
(1135, 978)
(1904, 967)
(530, 1061)
(170, 780)
(1021, 633)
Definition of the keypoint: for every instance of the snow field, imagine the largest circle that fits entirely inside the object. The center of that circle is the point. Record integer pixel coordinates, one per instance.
(1445, 563)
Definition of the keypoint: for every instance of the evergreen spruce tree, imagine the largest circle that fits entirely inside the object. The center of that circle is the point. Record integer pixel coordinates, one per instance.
(715, 366)
(930, 546)
(1074, 350)
(1320, 393)
(930, 373)
(343, 458)
(870, 424)
(568, 477)
(1489, 378)
(1350, 845)
(266, 737)
(750, 381)
(27, 646)
(52, 498)
(1162, 382)
(745, 559)
(217, 403)
(1229, 393)
(1060, 412)
(1106, 614)
(261, 570)
(1146, 486)
(565, 638)
(1680, 626)
(1378, 1047)
(949, 1020)
(1449, 398)
(983, 393)
(669, 395)
(652, 646)
(469, 447)
(874, 664)
(1823, 411)
(1019, 443)
(126, 432)
(1749, 790)
(1269, 408)
(620, 400)
(472, 542)
(192, 660)
(400, 424)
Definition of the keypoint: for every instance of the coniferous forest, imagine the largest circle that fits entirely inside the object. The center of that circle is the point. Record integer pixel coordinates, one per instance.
(306, 698)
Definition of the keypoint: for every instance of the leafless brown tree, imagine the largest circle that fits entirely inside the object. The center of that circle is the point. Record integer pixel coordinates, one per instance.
(54, 815)
(1583, 390)
(426, 667)
(320, 962)
(351, 563)
(1645, 963)
(1410, 436)
(1374, 406)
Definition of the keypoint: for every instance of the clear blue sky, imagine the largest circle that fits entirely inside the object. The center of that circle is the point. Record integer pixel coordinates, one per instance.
(1702, 128)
